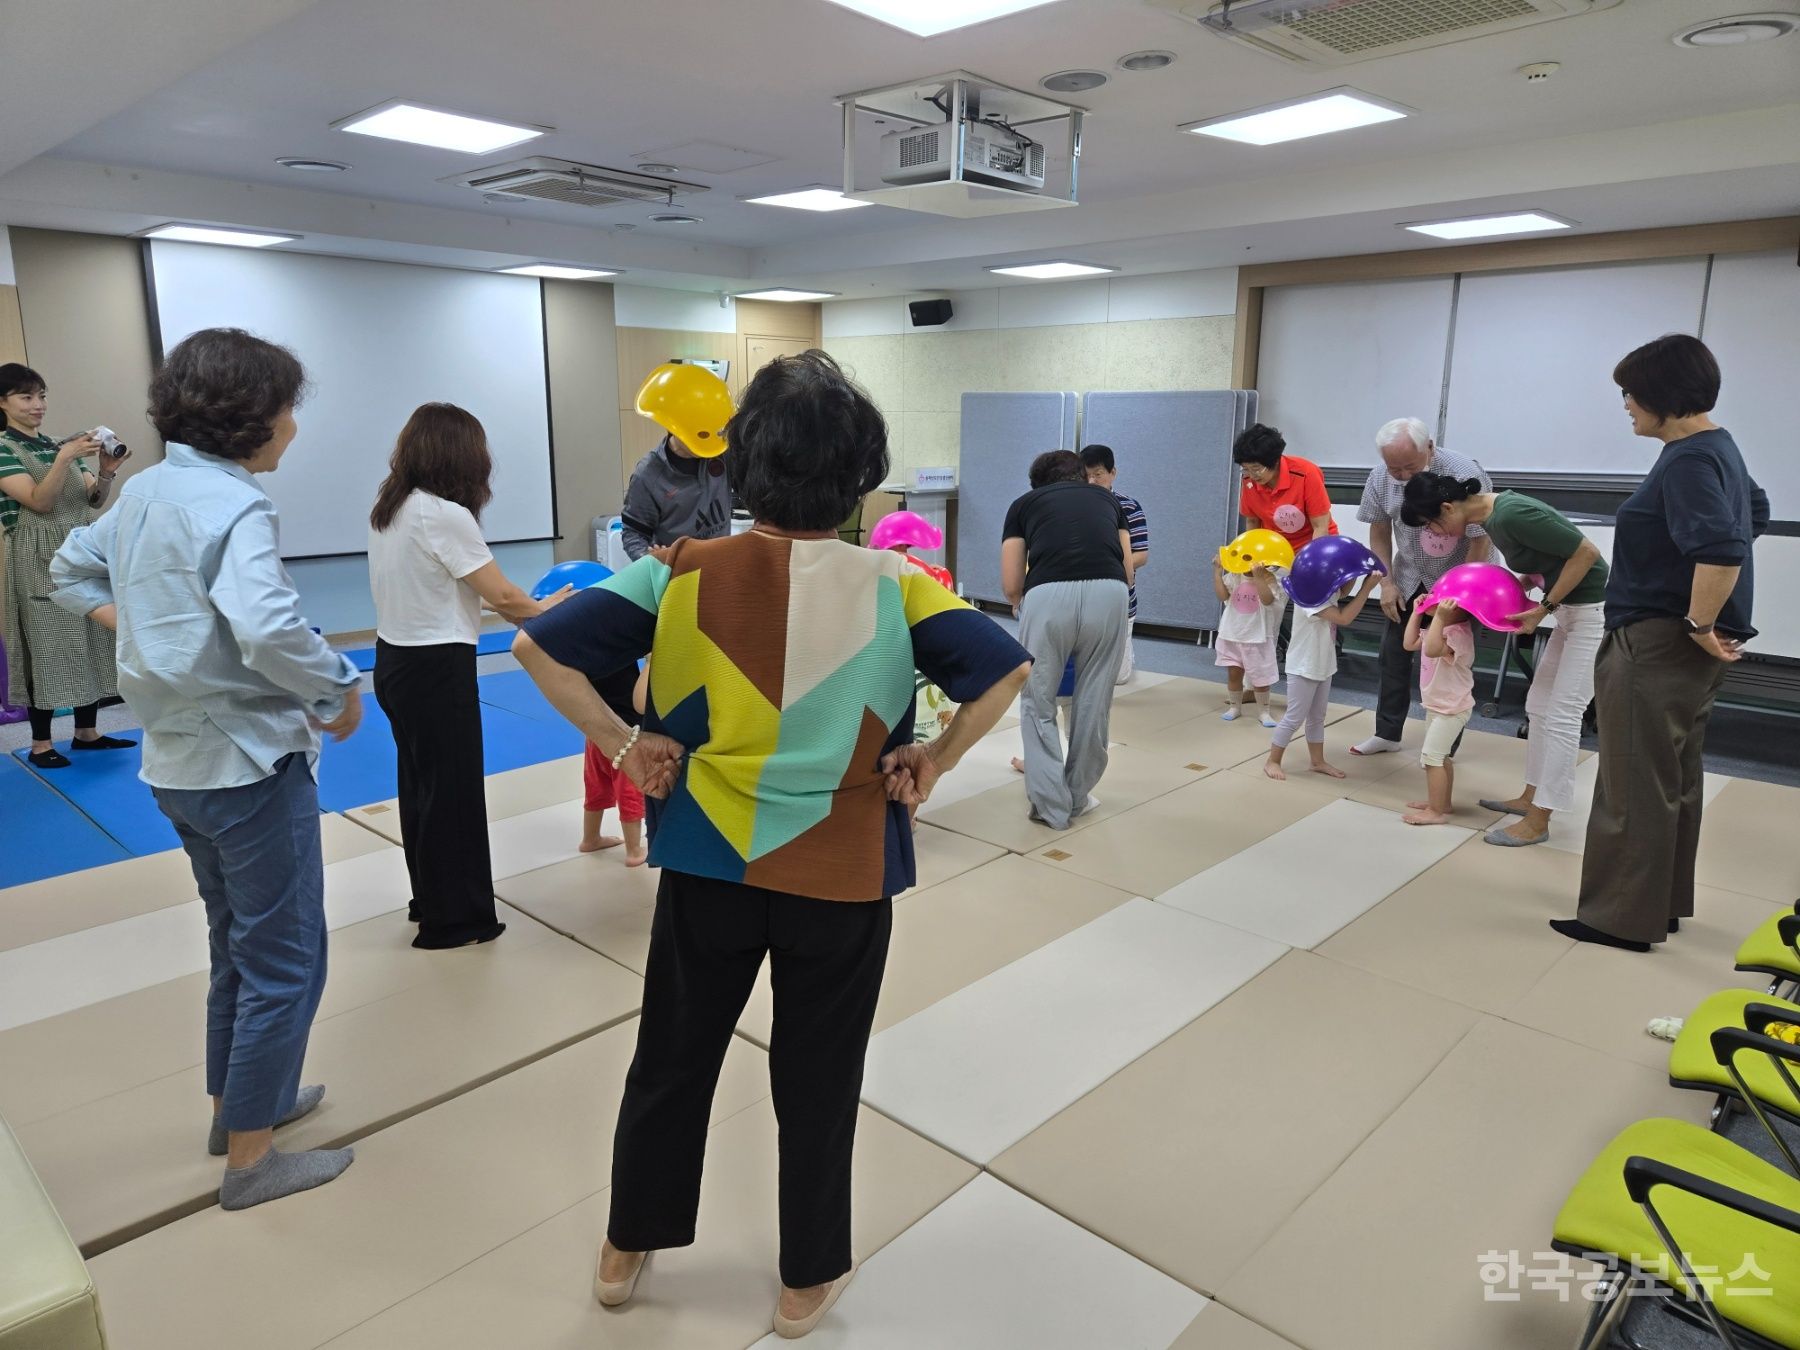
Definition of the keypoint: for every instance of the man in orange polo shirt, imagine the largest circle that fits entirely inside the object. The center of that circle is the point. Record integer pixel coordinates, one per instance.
(1282, 492)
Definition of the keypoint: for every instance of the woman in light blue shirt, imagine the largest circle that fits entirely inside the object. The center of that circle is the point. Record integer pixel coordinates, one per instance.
(233, 690)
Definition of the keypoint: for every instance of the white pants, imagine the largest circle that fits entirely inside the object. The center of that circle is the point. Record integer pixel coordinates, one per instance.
(1561, 689)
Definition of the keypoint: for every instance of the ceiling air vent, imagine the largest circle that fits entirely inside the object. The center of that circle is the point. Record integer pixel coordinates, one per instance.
(1343, 32)
(542, 178)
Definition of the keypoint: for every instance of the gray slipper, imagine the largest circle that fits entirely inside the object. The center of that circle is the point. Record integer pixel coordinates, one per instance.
(1505, 840)
(1505, 808)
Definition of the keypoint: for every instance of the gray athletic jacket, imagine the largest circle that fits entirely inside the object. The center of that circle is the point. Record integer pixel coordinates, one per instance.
(672, 498)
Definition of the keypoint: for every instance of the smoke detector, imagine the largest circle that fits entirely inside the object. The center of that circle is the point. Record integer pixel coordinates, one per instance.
(1737, 31)
(1539, 71)
(1344, 32)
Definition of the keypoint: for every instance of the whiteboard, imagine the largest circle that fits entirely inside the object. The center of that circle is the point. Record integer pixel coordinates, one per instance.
(377, 339)
(1531, 370)
(1337, 361)
(1753, 327)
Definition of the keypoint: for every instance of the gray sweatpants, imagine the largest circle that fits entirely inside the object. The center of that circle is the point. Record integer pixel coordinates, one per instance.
(1059, 619)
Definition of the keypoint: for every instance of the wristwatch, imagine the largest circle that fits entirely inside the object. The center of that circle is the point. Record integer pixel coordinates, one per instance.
(1549, 606)
(1697, 629)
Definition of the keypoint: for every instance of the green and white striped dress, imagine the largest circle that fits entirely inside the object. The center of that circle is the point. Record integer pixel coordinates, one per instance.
(54, 659)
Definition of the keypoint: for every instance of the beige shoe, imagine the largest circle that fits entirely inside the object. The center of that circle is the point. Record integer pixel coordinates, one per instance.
(617, 1293)
(790, 1330)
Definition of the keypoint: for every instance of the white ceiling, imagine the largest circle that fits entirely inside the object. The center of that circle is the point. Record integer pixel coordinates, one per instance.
(187, 115)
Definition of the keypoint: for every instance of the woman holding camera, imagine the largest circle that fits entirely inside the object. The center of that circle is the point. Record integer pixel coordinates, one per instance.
(54, 659)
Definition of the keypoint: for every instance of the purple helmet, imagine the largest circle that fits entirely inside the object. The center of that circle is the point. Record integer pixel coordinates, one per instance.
(905, 529)
(1323, 566)
(1490, 593)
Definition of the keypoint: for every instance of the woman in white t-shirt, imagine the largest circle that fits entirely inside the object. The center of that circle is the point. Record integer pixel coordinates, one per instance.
(431, 570)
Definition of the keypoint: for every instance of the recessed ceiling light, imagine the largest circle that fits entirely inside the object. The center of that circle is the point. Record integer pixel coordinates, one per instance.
(785, 293)
(654, 167)
(928, 18)
(809, 199)
(557, 272)
(437, 127)
(1737, 30)
(212, 234)
(1051, 271)
(675, 219)
(311, 165)
(1314, 115)
(1073, 81)
(1483, 227)
(1141, 61)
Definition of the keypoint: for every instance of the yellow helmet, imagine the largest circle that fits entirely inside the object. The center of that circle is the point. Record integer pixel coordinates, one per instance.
(1256, 546)
(690, 403)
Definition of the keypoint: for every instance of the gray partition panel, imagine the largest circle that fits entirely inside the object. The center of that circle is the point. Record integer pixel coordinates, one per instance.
(1174, 456)
(1001, 435)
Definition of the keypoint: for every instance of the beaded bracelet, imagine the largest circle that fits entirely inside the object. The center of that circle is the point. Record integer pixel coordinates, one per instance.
(625, 749)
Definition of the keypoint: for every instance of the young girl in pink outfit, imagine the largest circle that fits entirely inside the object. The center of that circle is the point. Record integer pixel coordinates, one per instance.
(1246, 642)
(1447, 688)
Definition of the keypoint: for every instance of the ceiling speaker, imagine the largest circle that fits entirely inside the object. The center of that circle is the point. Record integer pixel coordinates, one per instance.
(929, 313)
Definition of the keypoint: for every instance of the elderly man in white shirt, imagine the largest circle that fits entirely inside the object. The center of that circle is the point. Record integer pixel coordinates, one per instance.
(1415, 559)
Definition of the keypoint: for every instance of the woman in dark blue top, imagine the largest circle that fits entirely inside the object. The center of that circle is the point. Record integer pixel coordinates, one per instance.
(1677, 611)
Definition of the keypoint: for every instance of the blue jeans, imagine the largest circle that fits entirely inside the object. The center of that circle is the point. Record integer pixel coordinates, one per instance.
(256, 856)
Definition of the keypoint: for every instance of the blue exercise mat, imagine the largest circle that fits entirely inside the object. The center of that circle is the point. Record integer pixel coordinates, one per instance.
(48, 835)
(517, 692)
(103, 785)
(488, 644)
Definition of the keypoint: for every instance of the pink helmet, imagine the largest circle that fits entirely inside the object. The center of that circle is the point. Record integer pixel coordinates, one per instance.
(905, 529)
(1487, 590)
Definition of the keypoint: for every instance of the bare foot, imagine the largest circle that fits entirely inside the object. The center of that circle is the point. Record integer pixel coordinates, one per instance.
(1018, 765)
(637, 857)
(1329, 770)
(604, 841)
(799, 1304)
(1426, 817)
(1418, 806)
(1275, 771)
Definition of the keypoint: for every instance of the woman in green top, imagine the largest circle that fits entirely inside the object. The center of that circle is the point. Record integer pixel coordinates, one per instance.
(1550, 553)
(54, 659)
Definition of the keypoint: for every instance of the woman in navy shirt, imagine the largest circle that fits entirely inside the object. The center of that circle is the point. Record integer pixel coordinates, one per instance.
(1677, 611)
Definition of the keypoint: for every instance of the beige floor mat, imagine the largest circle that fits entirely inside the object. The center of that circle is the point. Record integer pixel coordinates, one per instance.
(1747, 841)
(125, 1163)
(1361, 771)
(953, 934)
(57, 906)
(512, 793)
(1474, 928)
(1162, 843)
(537, 1291)
(423, 1199)
(1191, 1157)
(1219, 1328)
(1478, 1159)
(1000, 815)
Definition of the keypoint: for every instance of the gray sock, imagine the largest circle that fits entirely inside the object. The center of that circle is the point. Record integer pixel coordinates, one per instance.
(276, 1174)
(218, 1140)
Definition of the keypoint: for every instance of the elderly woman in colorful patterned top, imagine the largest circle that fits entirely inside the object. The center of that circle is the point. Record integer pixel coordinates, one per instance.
(777, 750)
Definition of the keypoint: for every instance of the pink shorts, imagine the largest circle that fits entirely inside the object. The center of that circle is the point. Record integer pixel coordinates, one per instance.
(1255, 659)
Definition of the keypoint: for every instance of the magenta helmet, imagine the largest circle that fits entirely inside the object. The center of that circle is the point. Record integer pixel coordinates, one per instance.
(905, 529)
(1488, 591)
(1322, 566)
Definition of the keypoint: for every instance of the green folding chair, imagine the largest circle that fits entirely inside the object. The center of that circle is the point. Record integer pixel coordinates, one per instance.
(1774, 950)
(1695, 1234)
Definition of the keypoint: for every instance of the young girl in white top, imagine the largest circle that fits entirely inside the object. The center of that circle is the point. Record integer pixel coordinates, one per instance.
(1312, 661)
(1447, 688)
(431, 570)
(1247, 631)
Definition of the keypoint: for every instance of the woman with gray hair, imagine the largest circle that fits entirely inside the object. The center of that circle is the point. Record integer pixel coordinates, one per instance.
(1065, 564)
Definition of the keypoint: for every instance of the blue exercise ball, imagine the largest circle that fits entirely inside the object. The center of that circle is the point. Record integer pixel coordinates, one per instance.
(579, 573)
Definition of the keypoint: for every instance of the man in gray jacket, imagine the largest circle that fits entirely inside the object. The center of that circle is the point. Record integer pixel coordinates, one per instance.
(674, 494)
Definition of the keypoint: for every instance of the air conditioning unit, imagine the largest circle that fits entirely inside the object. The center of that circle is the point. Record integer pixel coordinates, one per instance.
(561, 180)
(992, 154)
(1344, 32)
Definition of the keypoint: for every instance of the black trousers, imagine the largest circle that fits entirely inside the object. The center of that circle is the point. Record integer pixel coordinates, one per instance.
(1399, 679)
(87, 717)
(707, 941)
(431, 701)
